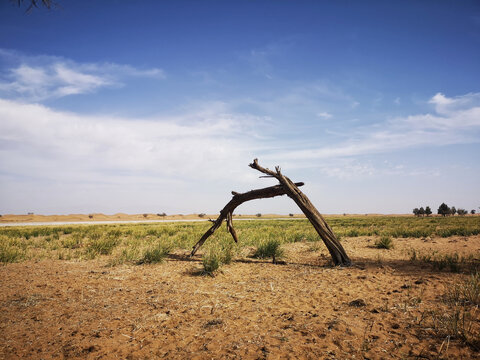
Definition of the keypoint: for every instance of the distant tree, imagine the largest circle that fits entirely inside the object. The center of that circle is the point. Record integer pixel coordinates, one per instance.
(415, 211)
(90, 216)
(162, 214)
(421, 211)
(443, 210)
(291, 215)
(453, 211)
(471, 212)
(145, 215)
(201, 215)
(428, 211)
(462, 212)
(259, 215)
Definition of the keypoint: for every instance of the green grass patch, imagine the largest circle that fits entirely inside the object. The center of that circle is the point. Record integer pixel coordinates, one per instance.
(155, 254)
(269, 249)
(385, 242)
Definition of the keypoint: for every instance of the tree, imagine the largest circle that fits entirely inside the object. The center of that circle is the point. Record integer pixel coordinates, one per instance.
(428, 211)
(443, 210)
(416, 211)
(286, 187)
(462, 212)
(453, 211)
(472, 211)
(421, 211)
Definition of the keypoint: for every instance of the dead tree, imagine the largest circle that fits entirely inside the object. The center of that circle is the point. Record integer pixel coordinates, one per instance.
(286, 186)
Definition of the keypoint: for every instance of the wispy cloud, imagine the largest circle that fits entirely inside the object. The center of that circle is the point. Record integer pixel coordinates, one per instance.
(37, 78)
(324, 115)
(453, 121)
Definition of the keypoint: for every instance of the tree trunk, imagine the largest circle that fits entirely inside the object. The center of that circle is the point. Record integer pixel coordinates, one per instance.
(339, 256)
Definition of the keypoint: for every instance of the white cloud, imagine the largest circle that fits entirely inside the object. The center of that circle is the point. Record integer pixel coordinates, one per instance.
(36, 78)
(455, 121)
(39, 142)
(324, 115)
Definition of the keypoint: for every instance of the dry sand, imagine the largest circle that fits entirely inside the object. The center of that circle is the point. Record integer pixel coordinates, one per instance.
(252, 309)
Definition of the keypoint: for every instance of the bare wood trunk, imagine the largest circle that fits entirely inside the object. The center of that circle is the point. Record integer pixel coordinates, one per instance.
(238, 199)
(339, 256)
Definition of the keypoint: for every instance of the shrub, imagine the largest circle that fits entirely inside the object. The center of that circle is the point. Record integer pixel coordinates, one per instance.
(385, 242)
(270, 248)
(162, 215)
(258, 215)
(211, 262)
(201, 215)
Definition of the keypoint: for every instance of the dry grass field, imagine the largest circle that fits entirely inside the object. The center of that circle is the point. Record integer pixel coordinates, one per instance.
(132, 292)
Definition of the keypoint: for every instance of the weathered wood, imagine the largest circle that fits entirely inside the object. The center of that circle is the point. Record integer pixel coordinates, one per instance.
(339, 256)
(239, 198)
(337, 252)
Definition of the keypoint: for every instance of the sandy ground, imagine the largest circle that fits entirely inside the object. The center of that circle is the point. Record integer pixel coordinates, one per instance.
(252, 309)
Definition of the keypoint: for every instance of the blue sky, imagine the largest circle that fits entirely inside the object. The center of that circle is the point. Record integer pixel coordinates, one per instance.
(119, 106)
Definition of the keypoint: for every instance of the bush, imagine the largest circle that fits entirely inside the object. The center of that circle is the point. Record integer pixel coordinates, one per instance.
(270, 248)
(211, 262)
(258, 215)
(385, 242)
(201, 215)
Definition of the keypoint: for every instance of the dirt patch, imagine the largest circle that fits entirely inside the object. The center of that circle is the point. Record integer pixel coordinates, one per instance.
(251, 309)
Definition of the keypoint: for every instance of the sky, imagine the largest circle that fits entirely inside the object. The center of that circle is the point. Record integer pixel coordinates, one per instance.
(159, 106)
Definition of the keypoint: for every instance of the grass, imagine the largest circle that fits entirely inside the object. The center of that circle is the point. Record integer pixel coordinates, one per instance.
(211, 262)
(129, 242)
(155, 254)
(385, 242)
(269, 249)
(10, 254)
(451, 262)
(460, 318)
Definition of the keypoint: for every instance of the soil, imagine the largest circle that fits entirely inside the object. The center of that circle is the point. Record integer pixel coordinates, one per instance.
(251, 309)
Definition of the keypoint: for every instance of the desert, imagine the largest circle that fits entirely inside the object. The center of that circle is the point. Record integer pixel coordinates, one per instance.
(133, 291)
